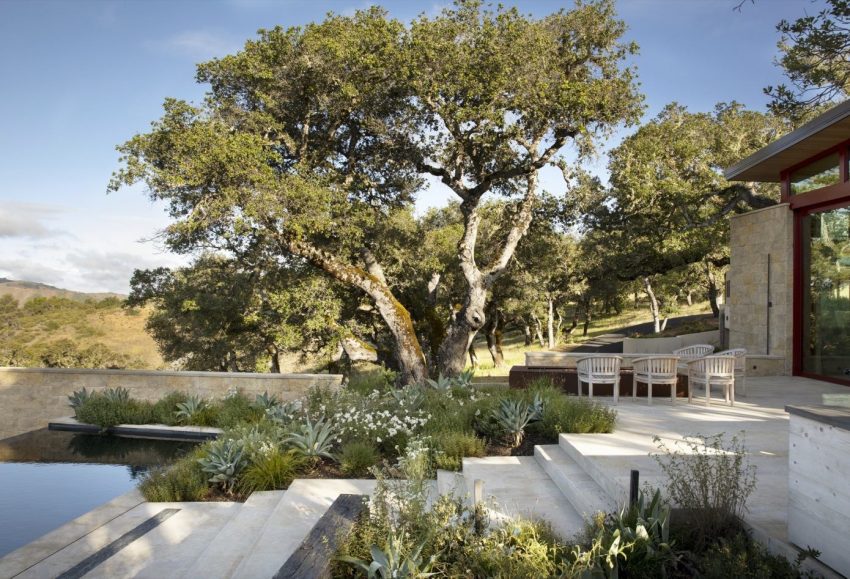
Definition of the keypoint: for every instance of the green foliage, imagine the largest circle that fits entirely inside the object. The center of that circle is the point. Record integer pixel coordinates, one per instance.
(270, 471)
(283, 413)
(117, 395)
(452, 446)
(184, 480)
(572, 414)
(356, 458)
(636, 541)
(393, 561)
(188, 409)
(709, 479)
(235, 410)
(164, 409)
(78, 398)
(223, 461)
(380, 379)
(313, 440)
(738, 555)
(266, 402)
(106, 412)
(512, 416)
(442, 383)
(813, 51)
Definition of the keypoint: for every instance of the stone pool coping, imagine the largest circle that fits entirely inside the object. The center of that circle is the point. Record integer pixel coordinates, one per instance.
(21, 559)
(152, 431)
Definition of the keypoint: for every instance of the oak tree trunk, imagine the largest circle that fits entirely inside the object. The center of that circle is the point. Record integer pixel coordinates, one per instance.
(712, 292)
(550, 324)
(408, 352)
(473, 357)
(526, 332)
(493, 334)
(653, 305)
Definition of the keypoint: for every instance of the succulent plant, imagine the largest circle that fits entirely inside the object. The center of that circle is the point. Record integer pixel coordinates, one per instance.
(78, 398)
(513, 416)
(266, 401)
(186, 410)
(313, 440)
(394, 561)
(464, 379)
(224, 460)
(537, 407)
(118, 395)
(441, 383)
(282, 413)
(410, 396)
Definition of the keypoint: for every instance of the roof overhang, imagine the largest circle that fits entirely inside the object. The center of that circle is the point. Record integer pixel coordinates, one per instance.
(821, 133)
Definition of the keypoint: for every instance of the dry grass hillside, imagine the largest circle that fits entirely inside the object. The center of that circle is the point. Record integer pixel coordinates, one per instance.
(49, 326)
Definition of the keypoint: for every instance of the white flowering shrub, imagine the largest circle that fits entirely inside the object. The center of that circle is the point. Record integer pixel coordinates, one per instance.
(385, 421)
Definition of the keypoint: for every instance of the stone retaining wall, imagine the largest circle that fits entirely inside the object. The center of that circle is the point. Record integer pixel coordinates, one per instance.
(668, 344)
(30, 397)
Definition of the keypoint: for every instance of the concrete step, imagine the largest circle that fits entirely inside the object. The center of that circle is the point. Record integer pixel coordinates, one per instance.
(579, 488)
(451, 482)
(305, 501)
(517, 486)
(591, 464)
(170, 549)
(228, 548)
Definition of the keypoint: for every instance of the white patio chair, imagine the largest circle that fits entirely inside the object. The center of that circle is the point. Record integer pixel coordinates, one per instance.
(740, 355)
(694, 352)
(653, 370)
(599, 370)
(712, 371)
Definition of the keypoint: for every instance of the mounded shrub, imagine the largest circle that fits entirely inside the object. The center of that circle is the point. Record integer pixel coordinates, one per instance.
(182, 481)
(452, 446)
(356, 458)
(272, 471)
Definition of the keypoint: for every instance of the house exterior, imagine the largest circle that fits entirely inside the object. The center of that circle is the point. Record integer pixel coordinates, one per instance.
(788, 286)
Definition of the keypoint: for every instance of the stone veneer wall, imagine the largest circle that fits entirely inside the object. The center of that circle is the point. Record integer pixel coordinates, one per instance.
(754, 236)
(30, 397)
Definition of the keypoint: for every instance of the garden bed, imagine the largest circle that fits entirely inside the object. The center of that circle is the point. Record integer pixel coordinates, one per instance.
(263, 444)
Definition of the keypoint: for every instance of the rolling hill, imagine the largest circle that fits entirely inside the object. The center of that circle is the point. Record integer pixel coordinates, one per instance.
(72, 329)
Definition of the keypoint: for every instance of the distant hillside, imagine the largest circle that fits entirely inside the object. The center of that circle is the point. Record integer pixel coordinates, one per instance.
(45, 326)
(25, 290)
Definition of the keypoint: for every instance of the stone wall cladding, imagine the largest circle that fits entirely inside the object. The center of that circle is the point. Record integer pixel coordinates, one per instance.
(754, 236)
(30, 397)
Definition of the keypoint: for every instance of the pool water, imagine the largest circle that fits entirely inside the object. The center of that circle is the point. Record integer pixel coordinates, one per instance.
(48, 478)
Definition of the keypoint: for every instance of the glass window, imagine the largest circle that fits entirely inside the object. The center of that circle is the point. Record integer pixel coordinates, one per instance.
(826, 293)
(820, 173)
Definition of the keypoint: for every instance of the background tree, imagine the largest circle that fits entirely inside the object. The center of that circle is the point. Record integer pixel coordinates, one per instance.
(216, 315)
(501, 96)
(814, 54)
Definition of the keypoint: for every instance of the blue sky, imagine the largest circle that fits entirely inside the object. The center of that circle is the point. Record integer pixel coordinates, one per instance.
(79, 77)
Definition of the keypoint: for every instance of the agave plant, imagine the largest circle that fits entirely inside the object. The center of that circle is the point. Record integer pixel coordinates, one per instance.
(266, 401)
(410, 396)
(78, 398)
(283, 413)
(441, 383)
(537, 407)
(513, 416)
(393, 562)
(224, 460)
(464, 379)
(188, 409)
(117, 395)
(314, 440)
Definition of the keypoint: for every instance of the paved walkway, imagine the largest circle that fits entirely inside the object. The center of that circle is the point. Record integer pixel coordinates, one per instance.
(760, 418)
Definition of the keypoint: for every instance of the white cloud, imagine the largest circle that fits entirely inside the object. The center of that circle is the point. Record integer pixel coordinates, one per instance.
(29, 270)
(27, 220)
(197, 44)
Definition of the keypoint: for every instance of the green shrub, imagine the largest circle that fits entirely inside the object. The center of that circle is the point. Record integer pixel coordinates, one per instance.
(164, 409)
(106, 412)
(635, 541)
(356, 458)
(378, 378)
(271, 471)
(233, 410)
(571, 414)
(738, 555)
(709, 483)
(452, 446)
(184, 480)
